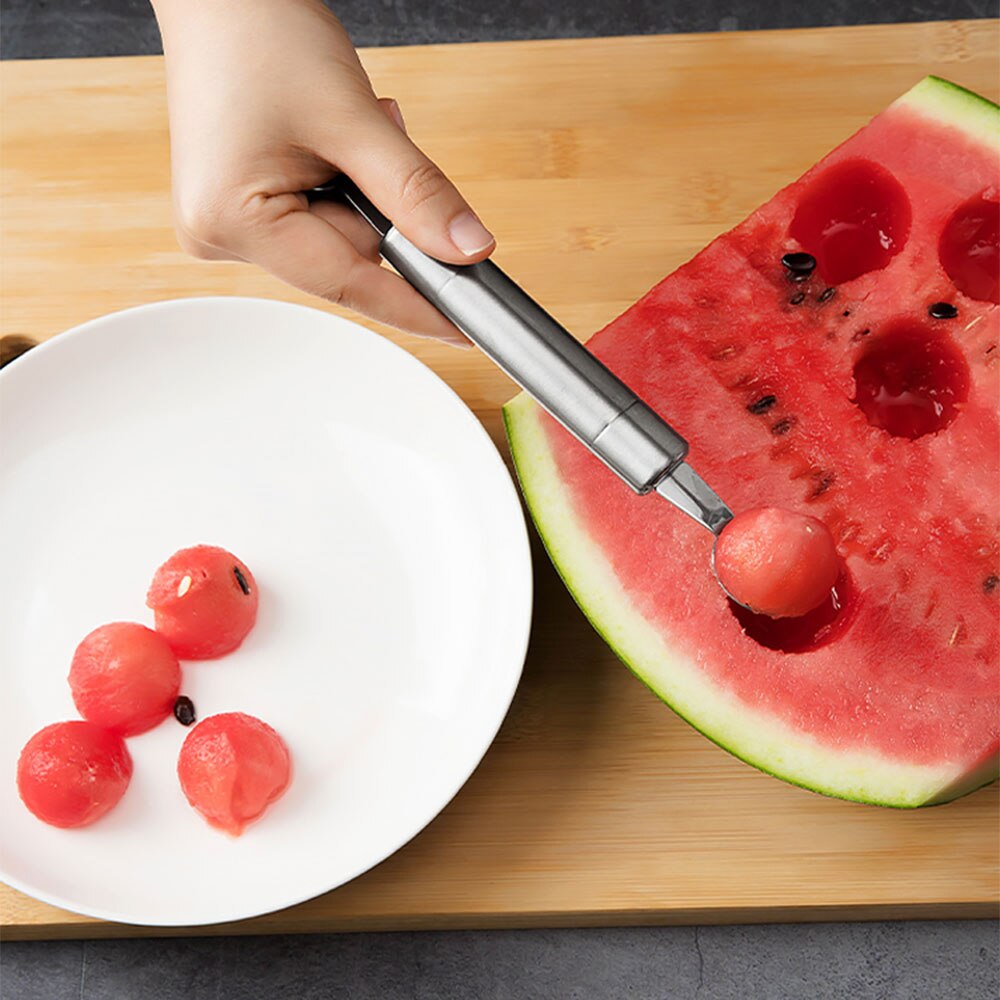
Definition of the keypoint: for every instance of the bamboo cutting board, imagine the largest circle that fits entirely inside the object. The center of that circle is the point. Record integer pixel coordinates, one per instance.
(600, 165)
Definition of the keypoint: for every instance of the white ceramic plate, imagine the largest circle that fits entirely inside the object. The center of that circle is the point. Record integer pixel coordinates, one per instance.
(390, 550)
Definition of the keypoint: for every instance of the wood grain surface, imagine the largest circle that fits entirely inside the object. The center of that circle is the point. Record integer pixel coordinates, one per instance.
(601, 165)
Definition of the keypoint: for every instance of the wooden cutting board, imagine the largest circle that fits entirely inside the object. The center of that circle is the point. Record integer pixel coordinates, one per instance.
(601, 165)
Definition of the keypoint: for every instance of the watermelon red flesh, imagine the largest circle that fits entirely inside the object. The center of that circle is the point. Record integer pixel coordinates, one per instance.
(901, 705)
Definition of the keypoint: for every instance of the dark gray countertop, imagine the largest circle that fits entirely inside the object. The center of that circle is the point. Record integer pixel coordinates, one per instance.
(930, 960)
(33, 29)
(880, 961)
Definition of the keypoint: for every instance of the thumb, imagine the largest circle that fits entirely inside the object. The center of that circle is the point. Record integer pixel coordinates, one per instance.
(412, 191)
(302, 248)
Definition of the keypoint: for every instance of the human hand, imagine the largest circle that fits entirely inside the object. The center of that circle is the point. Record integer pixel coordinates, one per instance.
(267, 99)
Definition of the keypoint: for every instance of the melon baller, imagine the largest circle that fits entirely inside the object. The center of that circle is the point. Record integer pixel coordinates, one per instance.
(545, 360)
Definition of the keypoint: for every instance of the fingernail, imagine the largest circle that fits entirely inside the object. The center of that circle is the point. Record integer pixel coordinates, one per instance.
(397, 115)
(469, 234)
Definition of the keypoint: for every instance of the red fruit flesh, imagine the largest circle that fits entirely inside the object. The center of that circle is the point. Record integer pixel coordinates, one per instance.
(911, 382)
(231, 768)
(124, 677)
(969, 248)
(70, 774)
(853, 218)
(204, 601)
(777, 562)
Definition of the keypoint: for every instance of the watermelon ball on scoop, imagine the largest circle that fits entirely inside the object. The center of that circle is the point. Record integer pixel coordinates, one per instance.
(124, 677)
(204, 601)
(231, 768)
(72, 773)
(776, 562)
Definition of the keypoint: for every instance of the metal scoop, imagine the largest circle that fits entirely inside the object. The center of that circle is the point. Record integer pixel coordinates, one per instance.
(545, 360)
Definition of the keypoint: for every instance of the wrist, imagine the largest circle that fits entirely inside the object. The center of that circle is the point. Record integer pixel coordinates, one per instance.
(175, 15)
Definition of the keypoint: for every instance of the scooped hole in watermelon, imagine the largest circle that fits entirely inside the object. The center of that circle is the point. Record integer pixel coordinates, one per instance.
(911, 381)
(853, 218)
(969, 248)
(819, 627)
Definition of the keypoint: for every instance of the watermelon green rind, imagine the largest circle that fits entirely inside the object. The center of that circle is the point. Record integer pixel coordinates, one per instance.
(954, 105)
(763, 741)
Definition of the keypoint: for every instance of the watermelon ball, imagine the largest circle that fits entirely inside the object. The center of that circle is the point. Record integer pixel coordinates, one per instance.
(776, 562)
(231, 768)
(124, 677)
(204, 601)
(71, 773)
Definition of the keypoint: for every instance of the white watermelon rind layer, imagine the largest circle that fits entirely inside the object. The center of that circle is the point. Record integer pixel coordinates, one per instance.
(950, 104)
(760, 739)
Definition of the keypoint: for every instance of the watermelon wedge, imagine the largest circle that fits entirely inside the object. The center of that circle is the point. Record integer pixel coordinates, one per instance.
(835, 354)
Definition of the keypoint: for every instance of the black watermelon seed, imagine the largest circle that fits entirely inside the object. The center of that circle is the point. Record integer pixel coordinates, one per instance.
(799, 265)
(942, 310)
(797, 299)
(241, 580)
(861, 334)
(847, 312)
(824, 480)
(783, 426)
(827, 294)
(184, 710)
(762, 405)
(991, 583)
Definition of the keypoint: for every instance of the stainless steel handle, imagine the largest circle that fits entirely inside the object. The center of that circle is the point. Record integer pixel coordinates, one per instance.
(546, 361)
(541, 356)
